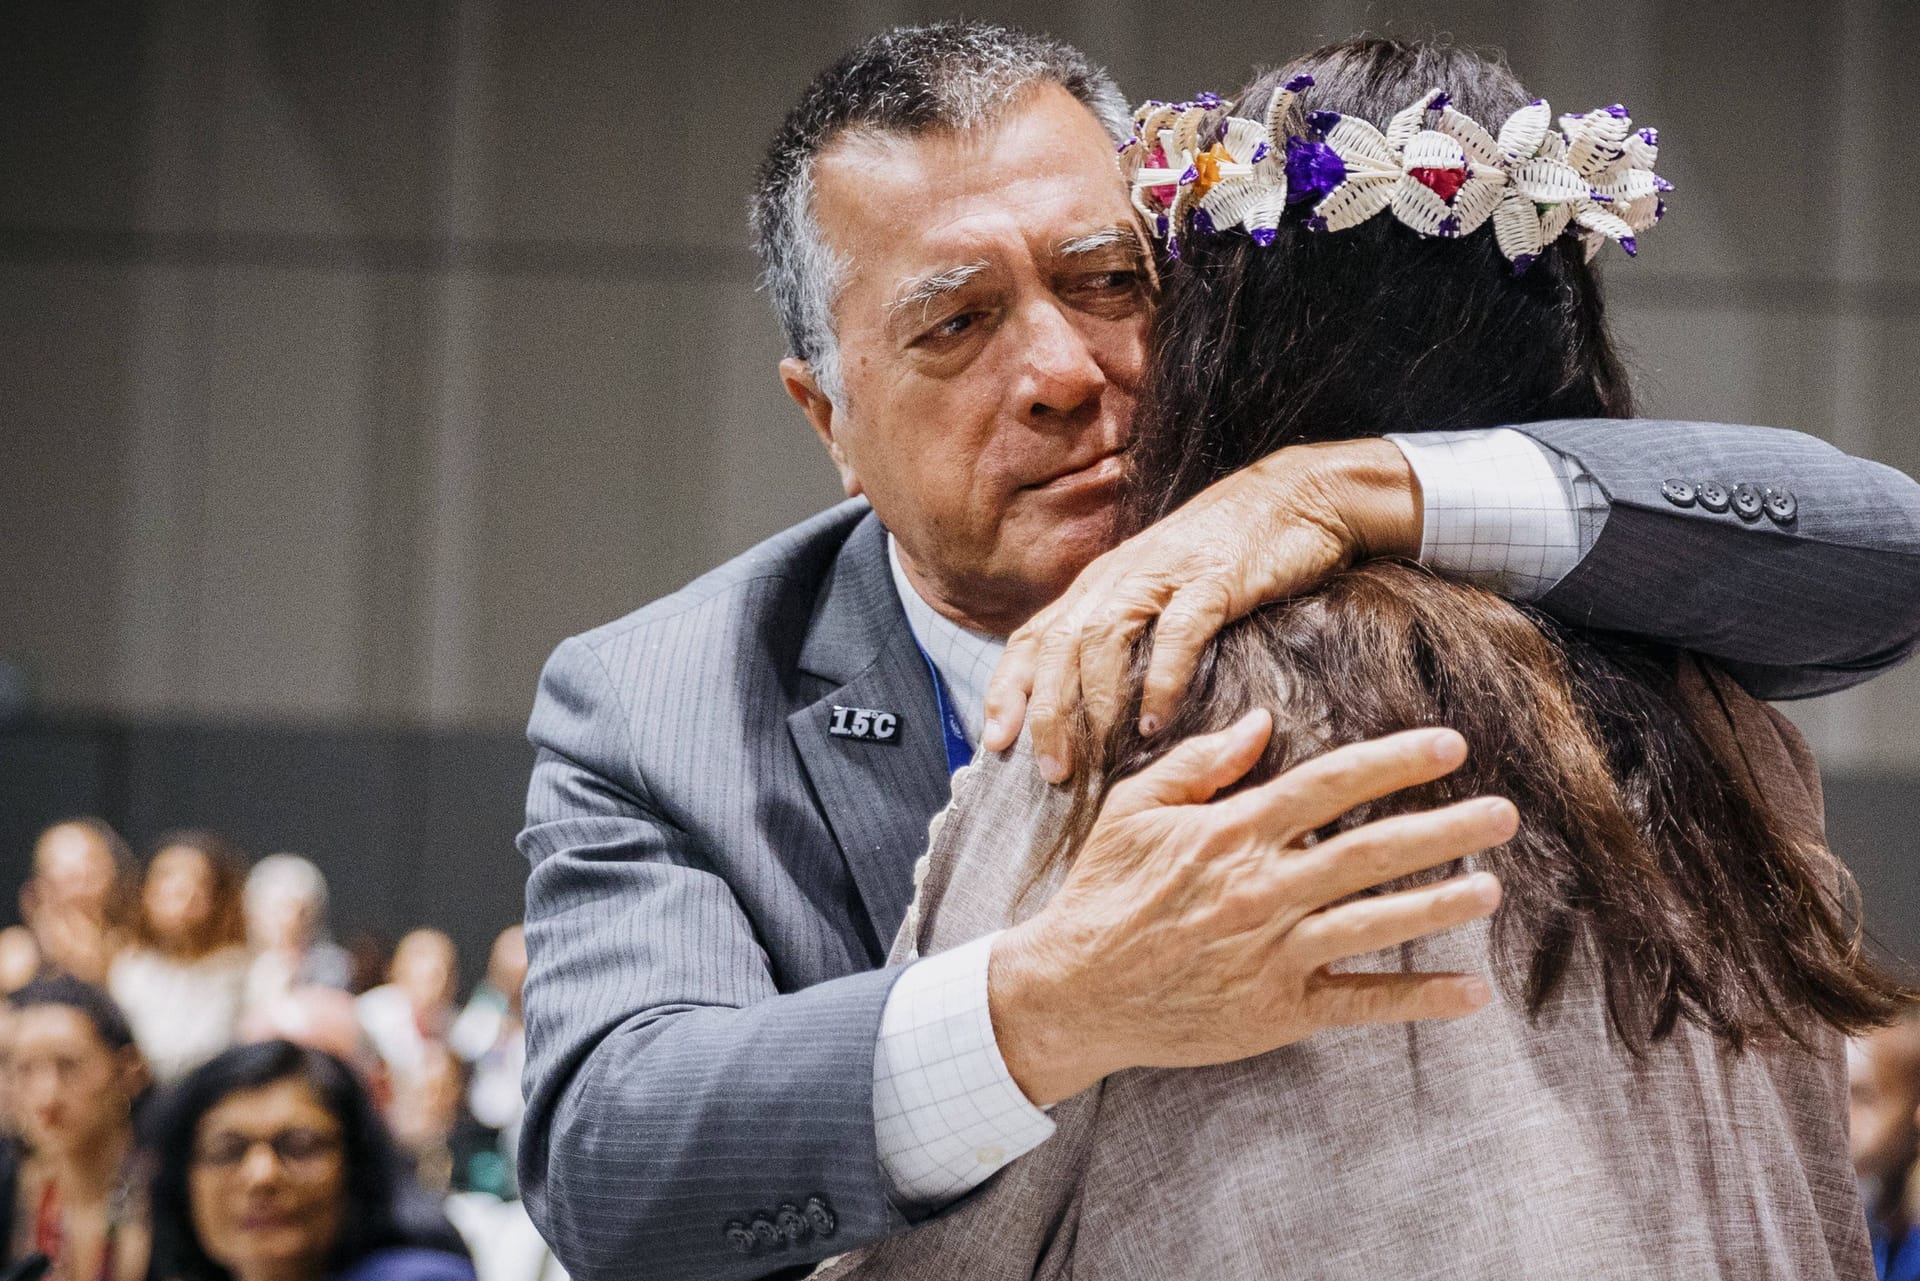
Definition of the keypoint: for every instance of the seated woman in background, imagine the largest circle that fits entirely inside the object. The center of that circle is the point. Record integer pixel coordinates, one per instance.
(1662, 1091)
(182, 979)
(272, 1165)
(74, 1191)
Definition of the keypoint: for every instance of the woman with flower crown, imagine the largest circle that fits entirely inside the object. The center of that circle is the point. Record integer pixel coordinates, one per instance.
(1387, 237)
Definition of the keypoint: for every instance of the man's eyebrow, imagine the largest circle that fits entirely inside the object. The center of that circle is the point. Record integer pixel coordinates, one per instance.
(923, 291)
(1106, 238)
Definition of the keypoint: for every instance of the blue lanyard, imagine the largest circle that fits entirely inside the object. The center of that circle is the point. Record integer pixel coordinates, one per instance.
(959, 751)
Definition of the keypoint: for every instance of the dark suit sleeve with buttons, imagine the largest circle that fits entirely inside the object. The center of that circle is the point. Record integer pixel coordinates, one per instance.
(1795, 565)
(685, 1118)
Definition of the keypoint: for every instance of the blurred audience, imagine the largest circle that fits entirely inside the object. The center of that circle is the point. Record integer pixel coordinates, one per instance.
(8, 1019)
(369, 958)
(1884, 1123)
(74, 1190)
(491, 1036)
(286, 913)
(274, 1166)
(73, 911)
(407, 1020)
(183, 977)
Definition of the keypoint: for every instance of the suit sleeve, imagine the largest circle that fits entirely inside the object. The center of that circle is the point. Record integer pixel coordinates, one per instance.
(1823, 599)
(684, 1118)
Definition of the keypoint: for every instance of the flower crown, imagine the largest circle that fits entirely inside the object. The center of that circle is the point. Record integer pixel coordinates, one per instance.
(1194, 165)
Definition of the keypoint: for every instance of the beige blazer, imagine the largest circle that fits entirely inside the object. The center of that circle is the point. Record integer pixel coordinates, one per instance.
(1498, 1146)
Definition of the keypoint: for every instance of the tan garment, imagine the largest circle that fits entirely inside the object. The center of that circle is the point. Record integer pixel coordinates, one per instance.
(1494, 1147)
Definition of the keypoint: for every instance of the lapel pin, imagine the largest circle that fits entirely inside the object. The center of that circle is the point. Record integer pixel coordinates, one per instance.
(864, 724)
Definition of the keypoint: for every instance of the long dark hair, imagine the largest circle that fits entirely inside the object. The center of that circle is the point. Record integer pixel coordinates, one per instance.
(1640, 845)
(369, 1223)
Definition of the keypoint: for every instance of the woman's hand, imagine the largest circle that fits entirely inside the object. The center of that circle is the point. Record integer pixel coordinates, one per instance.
(1272, 530)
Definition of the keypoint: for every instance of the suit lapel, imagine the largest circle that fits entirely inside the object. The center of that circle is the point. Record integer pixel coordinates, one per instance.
(877, 797)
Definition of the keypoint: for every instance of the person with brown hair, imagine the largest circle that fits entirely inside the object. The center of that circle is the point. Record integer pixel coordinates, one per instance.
(1660, 1088)
(182, 979)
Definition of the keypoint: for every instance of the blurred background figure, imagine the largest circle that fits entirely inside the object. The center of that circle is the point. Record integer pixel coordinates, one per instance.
(286, 914)
(1884, 1122)
(273, 1165)
(73, 910)
(183, 976)
(414, 1007)
(7, 1130)
(75, 1190)
(491, 1038)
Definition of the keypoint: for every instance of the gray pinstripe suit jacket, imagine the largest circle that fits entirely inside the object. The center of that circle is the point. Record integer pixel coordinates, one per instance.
(715, 879)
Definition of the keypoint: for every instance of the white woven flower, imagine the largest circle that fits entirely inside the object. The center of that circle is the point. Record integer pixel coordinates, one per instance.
(1439, 171)
(1443, 179)
(1193, 163)
(1617, 165)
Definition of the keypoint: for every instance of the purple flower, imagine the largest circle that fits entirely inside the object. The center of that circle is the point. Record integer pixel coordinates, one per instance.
(1191, 176)
(1450, 225)
(1617, 111)
(1322, 122)
(1650, 136)
(1203, 222)
(1629, 244)
(1207, 100)
(1313, 169)
(1659, 210)
(1440, 102)
(1661, 184)
(1260, 153)
(1523, 262)
(1316, 223)
(1263, 236)
(1160, 226)
(1298, 83)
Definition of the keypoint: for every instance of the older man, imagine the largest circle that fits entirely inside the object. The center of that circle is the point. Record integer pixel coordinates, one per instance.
(733, 782)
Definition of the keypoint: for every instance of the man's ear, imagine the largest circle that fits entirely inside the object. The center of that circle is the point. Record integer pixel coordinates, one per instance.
(797, 376)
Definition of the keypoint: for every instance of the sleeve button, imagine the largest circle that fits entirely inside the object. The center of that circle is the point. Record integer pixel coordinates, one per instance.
(1746, 502)
(764, 1233)
(792, 1224)
(1677, 492)
(820, 1216)
(1781, 505)
(740, 1237)
(1713, 497)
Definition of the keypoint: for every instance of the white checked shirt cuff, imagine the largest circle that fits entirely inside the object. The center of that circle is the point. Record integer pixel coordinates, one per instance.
(1501, 510)
(946, 1112)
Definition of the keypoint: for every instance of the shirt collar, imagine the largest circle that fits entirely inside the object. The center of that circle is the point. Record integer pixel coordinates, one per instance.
(965, 659)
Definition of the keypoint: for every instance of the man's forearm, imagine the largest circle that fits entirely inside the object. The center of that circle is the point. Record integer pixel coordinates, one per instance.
(709, 1142)
(1799, 597)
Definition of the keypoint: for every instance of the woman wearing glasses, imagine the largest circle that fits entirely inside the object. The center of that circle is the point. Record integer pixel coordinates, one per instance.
(274, 1166)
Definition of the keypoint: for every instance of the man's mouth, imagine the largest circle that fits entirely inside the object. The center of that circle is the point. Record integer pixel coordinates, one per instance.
(1103, 469)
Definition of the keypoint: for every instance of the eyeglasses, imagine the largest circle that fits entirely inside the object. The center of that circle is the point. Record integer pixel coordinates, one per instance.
(296, 1149)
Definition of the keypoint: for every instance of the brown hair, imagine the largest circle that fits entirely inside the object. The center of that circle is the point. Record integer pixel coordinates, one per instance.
(226, 917)
(1638, 846)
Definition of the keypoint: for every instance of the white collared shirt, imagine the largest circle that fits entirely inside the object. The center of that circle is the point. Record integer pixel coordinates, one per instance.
(1500, 510)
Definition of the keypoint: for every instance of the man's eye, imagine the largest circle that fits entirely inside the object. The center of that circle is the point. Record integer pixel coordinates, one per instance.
(954, 326)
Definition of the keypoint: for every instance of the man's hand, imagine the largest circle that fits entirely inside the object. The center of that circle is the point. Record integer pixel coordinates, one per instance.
(1190, 932)
(1272, 530)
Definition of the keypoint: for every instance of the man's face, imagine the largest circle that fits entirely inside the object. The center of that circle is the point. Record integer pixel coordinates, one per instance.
(992, 331)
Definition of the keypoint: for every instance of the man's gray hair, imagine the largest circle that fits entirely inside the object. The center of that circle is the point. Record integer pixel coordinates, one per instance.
(910, 81)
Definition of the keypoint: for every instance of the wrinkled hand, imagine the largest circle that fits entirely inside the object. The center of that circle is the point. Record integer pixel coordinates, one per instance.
(1272, 530)
(1192, 931)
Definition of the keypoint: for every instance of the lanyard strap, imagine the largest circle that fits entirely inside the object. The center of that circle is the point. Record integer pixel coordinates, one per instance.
(952, 728)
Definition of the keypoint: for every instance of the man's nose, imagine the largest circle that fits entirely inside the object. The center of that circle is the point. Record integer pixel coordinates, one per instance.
(1064, 378)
